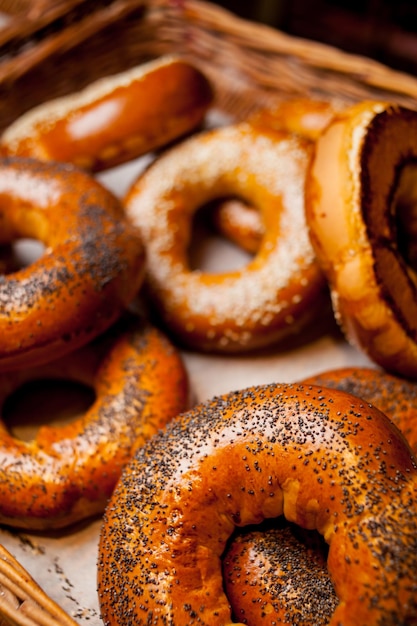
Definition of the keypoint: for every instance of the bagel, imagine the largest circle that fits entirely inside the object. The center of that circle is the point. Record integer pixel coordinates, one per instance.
(278, 575)
(276, 292)
(305, 117)
(67, 472)
(394, 396)
(360, 213)
(114, 119)
(240, 223)
(324, 459)
(302, 116)
(91, 269)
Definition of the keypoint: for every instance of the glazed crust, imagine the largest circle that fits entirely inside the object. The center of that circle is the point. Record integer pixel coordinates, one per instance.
(394, 396)
(116, 118)
(360, 198)
(324, 459)
(278, 290)
(68, 472)
(302, 116)
(280, 576)
(91, 269)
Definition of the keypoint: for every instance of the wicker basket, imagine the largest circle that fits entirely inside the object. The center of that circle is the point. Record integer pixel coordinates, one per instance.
(52, 47)
(22, 601)
(49, 48)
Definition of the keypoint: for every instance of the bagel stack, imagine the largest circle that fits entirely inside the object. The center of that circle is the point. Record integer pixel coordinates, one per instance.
(117, 515)
(69, 314)
(329, 454)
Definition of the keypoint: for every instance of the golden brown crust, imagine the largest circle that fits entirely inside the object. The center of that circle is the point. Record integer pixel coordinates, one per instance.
(114, 119)
(394, 396)
(68, 472)
(278, 575)
(240, 223)
(324, 459)
(302, 116)
(360, 202)
(91, 269)
(277, 291)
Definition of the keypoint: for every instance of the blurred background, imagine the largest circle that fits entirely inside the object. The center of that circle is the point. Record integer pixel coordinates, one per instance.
(385, 30)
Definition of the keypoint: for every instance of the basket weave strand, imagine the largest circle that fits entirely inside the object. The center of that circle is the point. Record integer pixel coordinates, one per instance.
(22, 601)
(59, 47)
(286, 66)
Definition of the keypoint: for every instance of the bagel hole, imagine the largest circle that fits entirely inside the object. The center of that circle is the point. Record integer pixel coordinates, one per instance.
(405, 211)
(19, 254)
(45, 402)
(297, 552)
(304, 535)
(211, 249)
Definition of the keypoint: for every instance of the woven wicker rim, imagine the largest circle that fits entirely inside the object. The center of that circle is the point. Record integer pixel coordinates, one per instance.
(22, 601)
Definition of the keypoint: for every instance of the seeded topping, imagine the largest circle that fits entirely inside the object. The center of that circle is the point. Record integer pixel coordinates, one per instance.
(278, 575)
(394, 396)
(67, 472)
(91, 268)
(326, 460)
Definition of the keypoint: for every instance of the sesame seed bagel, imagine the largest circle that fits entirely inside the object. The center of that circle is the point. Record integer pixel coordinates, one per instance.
(91, 269)
(360, 207)
(114, 119)
(324, 459)
(277, 291)
(68, 471)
